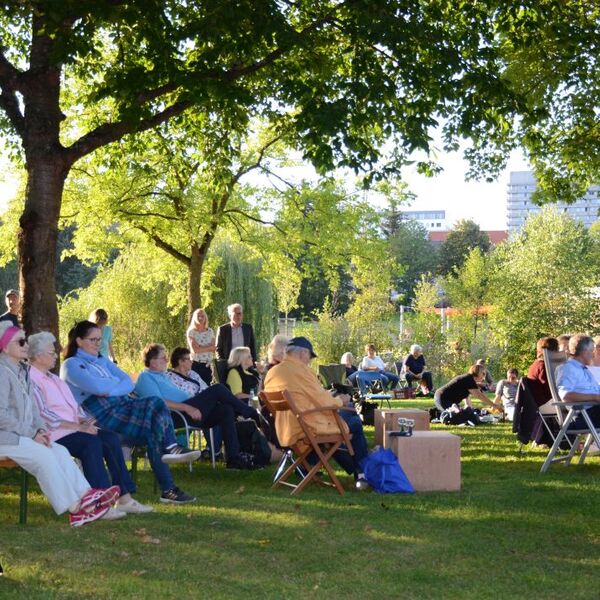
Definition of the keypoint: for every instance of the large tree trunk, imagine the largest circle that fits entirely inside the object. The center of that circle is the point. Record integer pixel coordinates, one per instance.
(47, 169)
(37, 245)
(194, 277)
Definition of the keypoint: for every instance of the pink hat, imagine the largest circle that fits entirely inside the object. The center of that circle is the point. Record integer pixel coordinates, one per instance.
(8, 335)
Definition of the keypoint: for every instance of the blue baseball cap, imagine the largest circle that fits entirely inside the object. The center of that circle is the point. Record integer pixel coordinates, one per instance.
(302, 342)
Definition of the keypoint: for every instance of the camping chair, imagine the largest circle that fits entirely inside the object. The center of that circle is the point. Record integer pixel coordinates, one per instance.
(333, 376)
(322, 445)
(566, 413)
(402, 381)
(7, 463)
(191, 432)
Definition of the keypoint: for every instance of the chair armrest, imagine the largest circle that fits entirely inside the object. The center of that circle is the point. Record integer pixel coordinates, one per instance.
(320, 410)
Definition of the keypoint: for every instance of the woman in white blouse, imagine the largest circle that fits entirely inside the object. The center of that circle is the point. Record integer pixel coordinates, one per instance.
(201, 342)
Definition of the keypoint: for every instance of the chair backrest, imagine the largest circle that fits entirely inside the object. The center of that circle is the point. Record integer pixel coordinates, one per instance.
(333, 373)
(399, 364)
(275, 401)
(552, 360)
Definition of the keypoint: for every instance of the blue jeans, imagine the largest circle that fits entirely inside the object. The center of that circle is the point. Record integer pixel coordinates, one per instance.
(159, 468)
(364, 379)
(92, 451)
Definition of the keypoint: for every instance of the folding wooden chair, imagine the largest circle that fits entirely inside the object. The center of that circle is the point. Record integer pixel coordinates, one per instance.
(322, 445)
(7, 463)
(566, 413)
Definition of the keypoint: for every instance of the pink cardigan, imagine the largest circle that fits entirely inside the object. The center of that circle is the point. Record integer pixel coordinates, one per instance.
(55, 402)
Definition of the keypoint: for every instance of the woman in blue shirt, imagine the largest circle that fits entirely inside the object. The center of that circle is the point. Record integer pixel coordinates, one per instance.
(206, 409)
(103, 391)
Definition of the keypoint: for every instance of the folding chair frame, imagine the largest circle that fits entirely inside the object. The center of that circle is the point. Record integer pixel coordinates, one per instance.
(189, 432)
(573, 410)
(324, 446)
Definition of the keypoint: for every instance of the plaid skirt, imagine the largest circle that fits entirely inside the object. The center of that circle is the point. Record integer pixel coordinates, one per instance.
(145, 419)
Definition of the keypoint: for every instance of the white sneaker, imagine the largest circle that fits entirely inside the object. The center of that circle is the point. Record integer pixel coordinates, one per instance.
(134, 507)
(113, 514)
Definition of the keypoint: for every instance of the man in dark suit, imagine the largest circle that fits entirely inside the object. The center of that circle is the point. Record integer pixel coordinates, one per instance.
(232, 335)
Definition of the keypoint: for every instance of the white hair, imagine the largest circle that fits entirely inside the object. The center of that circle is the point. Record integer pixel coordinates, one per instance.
(346, 358)
(297, 350)
(237, 355)
(232, 307)
(416, 348)
(39, 342)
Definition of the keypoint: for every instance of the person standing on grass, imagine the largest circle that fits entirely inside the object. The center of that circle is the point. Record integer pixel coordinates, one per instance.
(100, 317)
(234, 335)
(201, 342)
(25, 439)
(13, 304)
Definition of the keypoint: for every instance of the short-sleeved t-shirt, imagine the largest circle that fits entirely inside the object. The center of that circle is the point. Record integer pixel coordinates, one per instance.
(508, 392)
(456, 390)
(415, 365)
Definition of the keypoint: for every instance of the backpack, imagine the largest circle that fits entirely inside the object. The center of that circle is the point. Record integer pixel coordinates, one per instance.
(465, 415)
(367, 412)
(384, 473)
(252, 441)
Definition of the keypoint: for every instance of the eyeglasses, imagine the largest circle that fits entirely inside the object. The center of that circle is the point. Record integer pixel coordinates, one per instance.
(94, 340)
(51, 353)
(21, 341)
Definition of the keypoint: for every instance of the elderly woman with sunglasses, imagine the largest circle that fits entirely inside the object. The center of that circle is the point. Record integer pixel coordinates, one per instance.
(68, 426)
(103, 390)
(24, 439)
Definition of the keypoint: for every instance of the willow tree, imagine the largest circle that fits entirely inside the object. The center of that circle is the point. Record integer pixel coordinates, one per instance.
(346, 76)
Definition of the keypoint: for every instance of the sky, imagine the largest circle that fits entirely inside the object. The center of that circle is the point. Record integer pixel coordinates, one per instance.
(483, 202)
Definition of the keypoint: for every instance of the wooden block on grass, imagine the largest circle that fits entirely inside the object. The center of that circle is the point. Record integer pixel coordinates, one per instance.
(387, 420)
(430, 459)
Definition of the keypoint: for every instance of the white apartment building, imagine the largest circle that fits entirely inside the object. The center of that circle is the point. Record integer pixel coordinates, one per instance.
(432, 220)
(519, 205)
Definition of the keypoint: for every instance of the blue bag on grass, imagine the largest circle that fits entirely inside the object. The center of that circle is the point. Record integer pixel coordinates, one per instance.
(384, 473)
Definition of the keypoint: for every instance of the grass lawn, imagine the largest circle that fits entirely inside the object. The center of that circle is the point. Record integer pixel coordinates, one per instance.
(510, 533)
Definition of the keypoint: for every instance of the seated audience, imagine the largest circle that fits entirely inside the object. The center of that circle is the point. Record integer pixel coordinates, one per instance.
(414, 369)
(276, 350)
(295, 375)
(68, 426)
(595, 366)
(103, 390)
(348, 361)
(563, 342)
(487, 384)
(538, 383)
(461, 388)
(242, 379)
(574, 381)
(202, 410)
(100, 317)
(370, 370)
(25, 439)
(12, 299)
(506, 392)
(201, 342)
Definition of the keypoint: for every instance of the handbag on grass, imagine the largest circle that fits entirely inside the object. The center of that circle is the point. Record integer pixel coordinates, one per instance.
(384, 473)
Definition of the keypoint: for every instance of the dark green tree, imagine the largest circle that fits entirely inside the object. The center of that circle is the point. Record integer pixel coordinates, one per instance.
(343, 79)
(414, 253)
(454, 250)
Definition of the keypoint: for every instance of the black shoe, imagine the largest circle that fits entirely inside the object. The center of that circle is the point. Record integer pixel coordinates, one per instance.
(176, 496)
(180, 454)
(242, 462)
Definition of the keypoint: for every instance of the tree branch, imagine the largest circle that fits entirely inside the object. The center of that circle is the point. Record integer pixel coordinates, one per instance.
(255, 219)
(111, 132)
(147, 214)
(186, 260)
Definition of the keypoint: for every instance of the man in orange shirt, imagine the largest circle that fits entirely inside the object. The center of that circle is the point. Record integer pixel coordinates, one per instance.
(294, 374)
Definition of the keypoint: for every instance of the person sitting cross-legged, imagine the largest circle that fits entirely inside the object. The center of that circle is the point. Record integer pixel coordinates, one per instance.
(103, 390)
(295, 375)
(70, 427)
(211, 407)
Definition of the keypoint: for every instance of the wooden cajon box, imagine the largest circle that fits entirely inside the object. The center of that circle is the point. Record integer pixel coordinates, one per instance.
(430, 459)
(387, 420)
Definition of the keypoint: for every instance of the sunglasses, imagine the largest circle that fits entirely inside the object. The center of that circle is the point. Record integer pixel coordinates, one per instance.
(21, 341)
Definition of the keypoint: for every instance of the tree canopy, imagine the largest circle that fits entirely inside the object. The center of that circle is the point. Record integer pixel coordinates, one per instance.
(464, 236)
